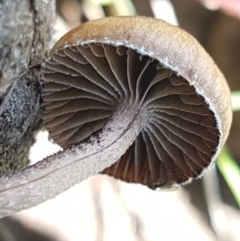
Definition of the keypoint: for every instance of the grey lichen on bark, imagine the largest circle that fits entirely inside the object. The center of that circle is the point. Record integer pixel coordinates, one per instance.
(25, 28)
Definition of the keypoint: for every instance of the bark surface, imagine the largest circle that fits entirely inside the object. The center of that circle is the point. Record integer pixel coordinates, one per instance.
(25, 28)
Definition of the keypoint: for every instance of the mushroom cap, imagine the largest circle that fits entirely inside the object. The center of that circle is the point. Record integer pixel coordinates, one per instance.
(180, 91)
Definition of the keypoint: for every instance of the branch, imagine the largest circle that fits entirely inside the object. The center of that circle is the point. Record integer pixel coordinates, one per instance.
(25, 35)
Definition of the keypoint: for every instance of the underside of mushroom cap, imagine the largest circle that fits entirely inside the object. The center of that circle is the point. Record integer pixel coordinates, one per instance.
(181, 95)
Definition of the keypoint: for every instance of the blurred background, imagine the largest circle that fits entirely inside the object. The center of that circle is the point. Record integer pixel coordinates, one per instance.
(102, 208)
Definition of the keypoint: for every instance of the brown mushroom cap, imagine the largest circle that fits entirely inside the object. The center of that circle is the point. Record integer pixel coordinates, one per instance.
(180, 93)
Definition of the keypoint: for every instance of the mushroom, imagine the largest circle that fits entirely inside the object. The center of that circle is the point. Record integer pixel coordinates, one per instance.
(132, 97)
(175, 89)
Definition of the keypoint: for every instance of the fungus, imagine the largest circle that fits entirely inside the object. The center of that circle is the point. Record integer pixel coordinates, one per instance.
(178, 94)
(132, 97)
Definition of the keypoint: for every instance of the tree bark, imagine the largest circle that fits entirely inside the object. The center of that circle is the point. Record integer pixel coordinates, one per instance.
(25, 28)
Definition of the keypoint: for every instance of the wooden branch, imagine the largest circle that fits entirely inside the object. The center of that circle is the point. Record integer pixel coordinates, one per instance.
(25, 36)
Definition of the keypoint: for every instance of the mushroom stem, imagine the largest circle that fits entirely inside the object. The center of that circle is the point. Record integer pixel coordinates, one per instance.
(44, 180)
